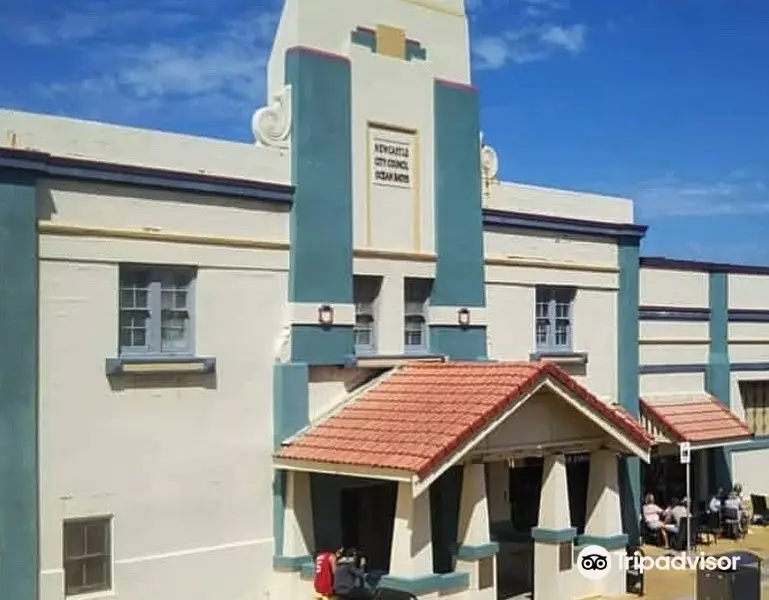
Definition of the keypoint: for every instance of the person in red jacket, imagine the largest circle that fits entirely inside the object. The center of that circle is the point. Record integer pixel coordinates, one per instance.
(325, 565)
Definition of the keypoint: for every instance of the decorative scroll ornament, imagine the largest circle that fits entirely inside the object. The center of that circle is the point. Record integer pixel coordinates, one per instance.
(489, 167)
(271, 124)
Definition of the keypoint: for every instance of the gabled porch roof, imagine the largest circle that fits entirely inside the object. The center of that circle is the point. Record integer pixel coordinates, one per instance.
(700, 419)
(424, 417)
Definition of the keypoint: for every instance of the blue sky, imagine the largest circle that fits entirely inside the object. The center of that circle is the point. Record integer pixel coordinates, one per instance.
(663, 101)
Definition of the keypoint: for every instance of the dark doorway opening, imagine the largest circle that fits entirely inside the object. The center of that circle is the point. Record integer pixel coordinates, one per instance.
(368, 515)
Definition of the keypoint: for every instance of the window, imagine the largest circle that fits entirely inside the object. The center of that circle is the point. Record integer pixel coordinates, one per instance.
(416, 293)
(755, 399)
(554, 319)
(156, 311)
(366, 290)
(87, 556)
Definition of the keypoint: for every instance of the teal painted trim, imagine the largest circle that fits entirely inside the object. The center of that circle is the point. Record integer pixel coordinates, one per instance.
(290, 563)
(718, 382)
(718, 374)
(290, 413)
(278, 511)
(291, 400)
(478, 552)
(60, 167)
(627, 325)
(321, 166)
(757, 443)
(544, 535)
(628, 357)
(630, 495)
(364, 37)
(612, 542)
(318, 345)
(495, 218)
(459, 343)
(434, 582)
(415, 51)
(459, 269)
(19, 510)
(307, 570)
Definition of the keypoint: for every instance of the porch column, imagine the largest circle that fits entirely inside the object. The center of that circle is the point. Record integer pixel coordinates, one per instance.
(411, 553)
(551, 578)
(298, 537)
(298, 534)
(476, 553)
(604, 517)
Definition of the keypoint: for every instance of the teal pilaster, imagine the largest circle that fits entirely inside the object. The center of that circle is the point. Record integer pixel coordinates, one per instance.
(458, 343)
(321, 251)
(717, 376)
(19, 557)
(290, 414)
(459, 270)
(628, 354)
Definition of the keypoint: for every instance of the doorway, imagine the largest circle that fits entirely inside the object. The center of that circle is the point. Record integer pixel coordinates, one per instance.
(368, 515)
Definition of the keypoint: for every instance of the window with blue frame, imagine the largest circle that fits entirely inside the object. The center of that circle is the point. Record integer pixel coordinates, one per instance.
(554, 314)
(365, 292)
(156, 317)
(416, 295)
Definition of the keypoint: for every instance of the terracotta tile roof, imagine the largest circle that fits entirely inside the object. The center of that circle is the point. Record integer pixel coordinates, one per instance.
(694, 418)
(421, 413)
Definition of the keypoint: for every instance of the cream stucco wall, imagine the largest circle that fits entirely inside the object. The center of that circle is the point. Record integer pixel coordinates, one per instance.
(662, 287)
(748, 291)
(556, 247)
(671, 383)
(141, 147)
(179, 462)
(749, 469)
(510, 309)
(551, 202)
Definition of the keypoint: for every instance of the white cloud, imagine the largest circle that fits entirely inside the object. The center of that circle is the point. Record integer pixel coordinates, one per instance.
(739, 193)
(214, 72)
(527, 44)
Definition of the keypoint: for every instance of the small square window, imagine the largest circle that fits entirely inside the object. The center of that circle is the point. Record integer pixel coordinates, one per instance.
(156, 316)
(416, 295)
(365, 293)
(87, 556)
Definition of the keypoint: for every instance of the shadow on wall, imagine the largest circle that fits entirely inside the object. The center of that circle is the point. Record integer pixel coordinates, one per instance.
(119, 383)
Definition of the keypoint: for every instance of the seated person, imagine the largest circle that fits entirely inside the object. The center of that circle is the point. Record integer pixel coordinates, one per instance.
(652, 520)
(716, 501)
(325, 565)
(675, 514)
(349, 578)
(734, 501)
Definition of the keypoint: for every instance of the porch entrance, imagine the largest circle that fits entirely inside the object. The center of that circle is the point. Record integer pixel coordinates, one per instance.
(515, 566)
(367, 519)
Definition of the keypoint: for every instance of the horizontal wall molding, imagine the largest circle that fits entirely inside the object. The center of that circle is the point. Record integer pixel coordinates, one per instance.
(673, 313)
(157, 235)
(674, 342)
(673, 264)
(746, 315)
(46, 165)
(672, 368)
(543, 263)
(518, 220)
(700, 368)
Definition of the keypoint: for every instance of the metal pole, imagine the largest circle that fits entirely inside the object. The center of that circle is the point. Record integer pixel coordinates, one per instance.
(688, 507)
